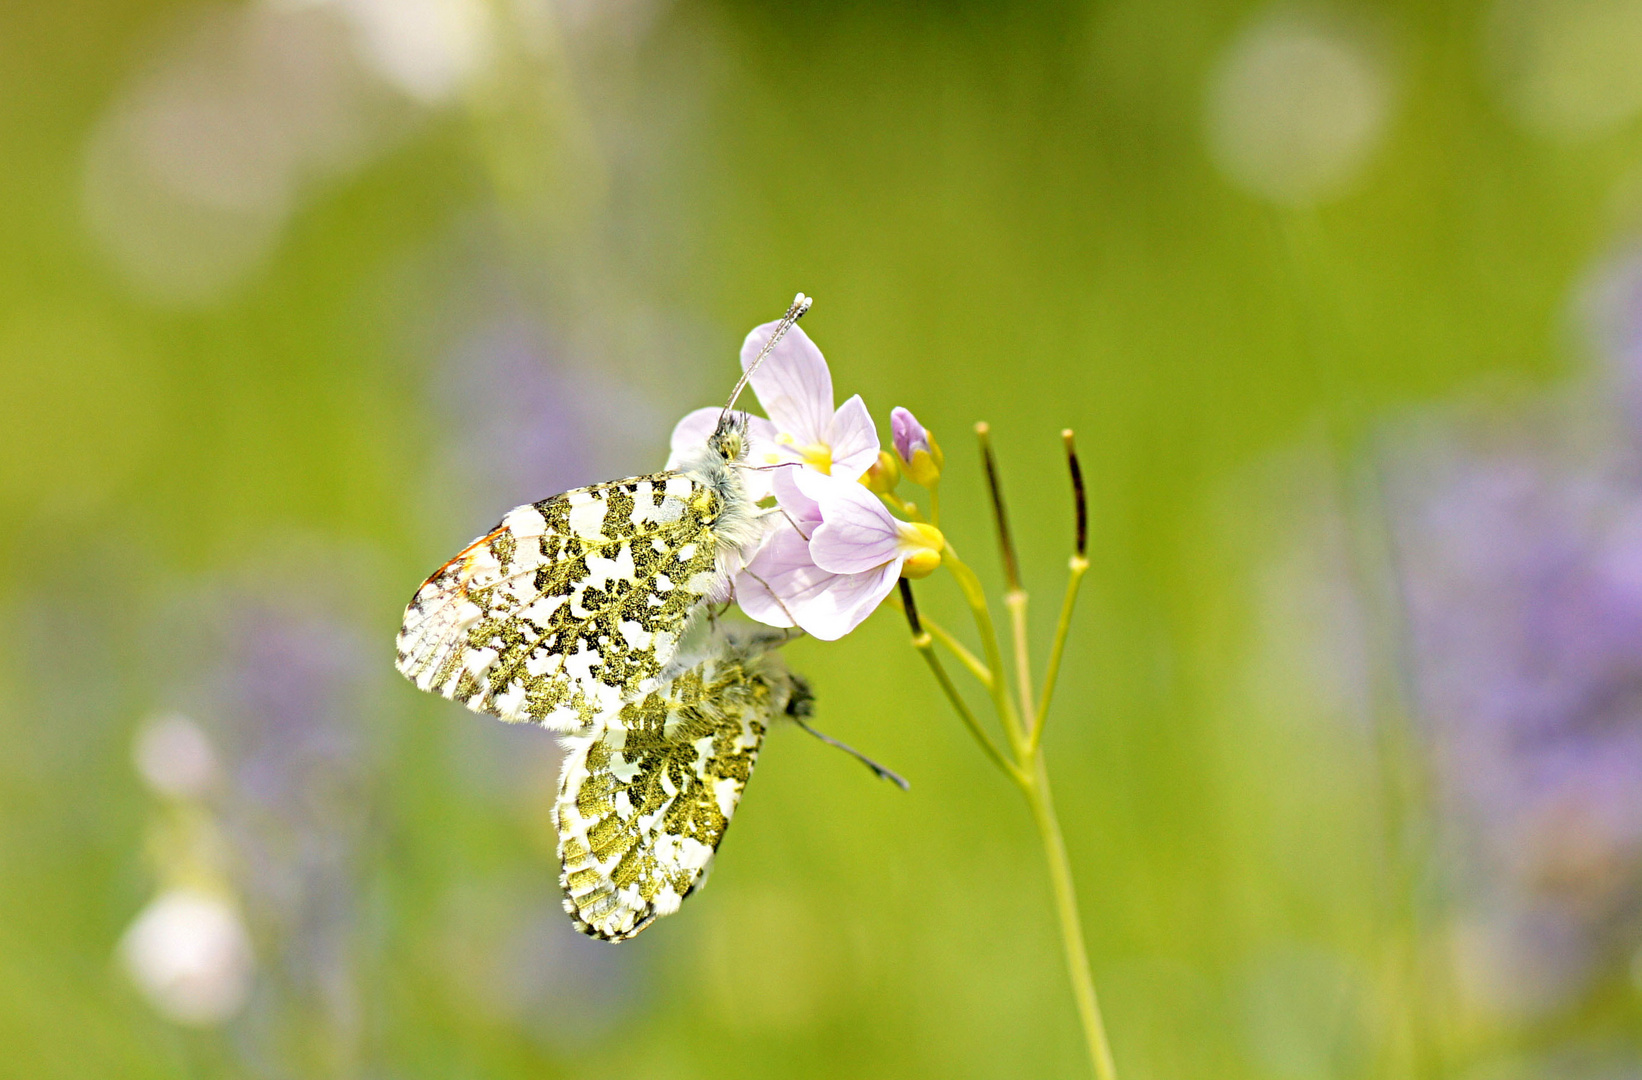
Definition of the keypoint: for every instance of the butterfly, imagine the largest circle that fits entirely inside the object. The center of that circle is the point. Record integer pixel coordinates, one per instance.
(574, 606)
(589, 613)
(647, 794)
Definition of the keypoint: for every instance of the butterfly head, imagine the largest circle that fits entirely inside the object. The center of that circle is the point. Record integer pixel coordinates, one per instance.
(728, 441)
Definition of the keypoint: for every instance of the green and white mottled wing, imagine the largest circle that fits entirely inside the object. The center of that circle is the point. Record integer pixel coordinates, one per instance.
(571, 606)
(646, 797)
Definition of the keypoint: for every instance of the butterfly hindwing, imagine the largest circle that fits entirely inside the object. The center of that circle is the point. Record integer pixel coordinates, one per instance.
(571, 606)
(645, 798)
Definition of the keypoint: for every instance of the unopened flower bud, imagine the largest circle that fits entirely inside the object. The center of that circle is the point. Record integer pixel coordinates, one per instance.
(921, 545)
(884, 474)
(921, 457)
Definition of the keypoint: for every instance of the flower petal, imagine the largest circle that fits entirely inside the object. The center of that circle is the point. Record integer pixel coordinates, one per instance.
(691, 434)
(762, 449)
(793, 384)
(779, 572)
(844, 603)
(857, 533)
(782, 585)
(801, 507)
(854, 440)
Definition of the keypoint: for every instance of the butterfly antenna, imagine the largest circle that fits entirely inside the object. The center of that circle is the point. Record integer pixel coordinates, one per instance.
(883, 774)
(800, 304)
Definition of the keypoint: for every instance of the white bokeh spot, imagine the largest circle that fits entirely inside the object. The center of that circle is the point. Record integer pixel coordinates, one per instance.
(189, 954)
(1296, 106)
(175, 758)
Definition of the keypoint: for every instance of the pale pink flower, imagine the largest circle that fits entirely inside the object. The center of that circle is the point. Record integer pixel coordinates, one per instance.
(833, 556)
(795, 389)
(831, 550)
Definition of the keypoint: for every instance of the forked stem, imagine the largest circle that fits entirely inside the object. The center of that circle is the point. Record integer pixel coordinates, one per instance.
(975, 594)
(1024, 728)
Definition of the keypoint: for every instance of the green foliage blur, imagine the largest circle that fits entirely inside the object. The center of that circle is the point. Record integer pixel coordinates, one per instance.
(232, 381)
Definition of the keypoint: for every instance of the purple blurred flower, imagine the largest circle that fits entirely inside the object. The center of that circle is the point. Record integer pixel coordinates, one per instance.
(909, 435)
(286, 689)
(524, 419)
(833, 557)
(1515, 550)
(1520, 552)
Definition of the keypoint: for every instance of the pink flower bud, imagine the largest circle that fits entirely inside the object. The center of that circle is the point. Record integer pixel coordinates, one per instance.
(921, 457)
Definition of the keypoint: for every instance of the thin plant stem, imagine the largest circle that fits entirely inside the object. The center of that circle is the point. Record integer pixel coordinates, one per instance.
(1036, 789)
(1000, 517)
(1078, 566)
(922, 641)
(976, 596)
(945, 637)
(905, 507)
(1014, 596)
(964, 713)
(965, 657)
(1016, 602)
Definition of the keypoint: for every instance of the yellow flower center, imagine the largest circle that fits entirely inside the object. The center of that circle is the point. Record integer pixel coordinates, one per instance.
(816, 455)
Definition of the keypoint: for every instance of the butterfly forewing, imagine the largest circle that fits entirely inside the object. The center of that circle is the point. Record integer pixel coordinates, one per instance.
(571, 606)
(646, 797)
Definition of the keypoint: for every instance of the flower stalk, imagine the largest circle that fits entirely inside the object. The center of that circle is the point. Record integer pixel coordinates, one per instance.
(839, 541)
(1022, 721)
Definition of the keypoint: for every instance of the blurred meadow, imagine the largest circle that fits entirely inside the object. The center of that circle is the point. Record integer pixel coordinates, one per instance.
(1343, 300)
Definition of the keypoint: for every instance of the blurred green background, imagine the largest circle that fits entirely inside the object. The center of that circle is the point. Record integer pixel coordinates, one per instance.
(299, 295)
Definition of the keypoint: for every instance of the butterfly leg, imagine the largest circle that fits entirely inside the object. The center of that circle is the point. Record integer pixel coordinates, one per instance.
(779, 603)
(770, 511)
(882, 773)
